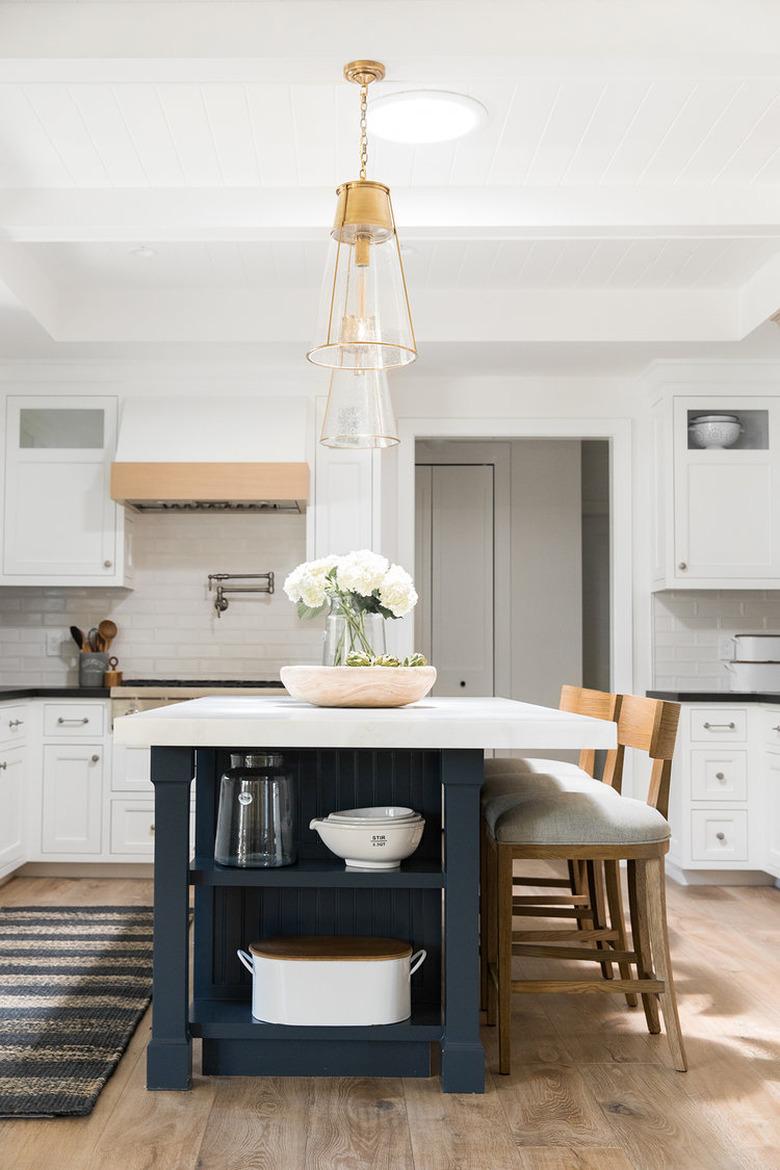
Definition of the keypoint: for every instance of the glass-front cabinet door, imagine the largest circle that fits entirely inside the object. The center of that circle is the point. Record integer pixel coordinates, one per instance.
(61, 524)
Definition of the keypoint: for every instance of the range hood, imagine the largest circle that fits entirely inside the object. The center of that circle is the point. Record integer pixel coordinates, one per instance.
(212, 455)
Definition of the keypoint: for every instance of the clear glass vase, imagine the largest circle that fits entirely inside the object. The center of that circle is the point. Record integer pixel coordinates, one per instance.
(363, 633)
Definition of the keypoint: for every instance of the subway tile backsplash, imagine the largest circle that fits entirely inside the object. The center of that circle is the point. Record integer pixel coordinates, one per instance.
(167, 624)
(690, 628)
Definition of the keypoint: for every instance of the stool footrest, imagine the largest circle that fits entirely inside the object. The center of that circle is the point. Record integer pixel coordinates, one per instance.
(575, 986)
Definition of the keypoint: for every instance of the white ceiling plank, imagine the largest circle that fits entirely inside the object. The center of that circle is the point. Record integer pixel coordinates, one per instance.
(314, 122)
(698, 117)
(185, 112)
(752, 161)
(271, 114)
(475, 152)
(571, 116)
(29, 157)
(611, 121)
(227, 112)
(109, 134)
(657, 114)
(65, 127)
(143, 115)
(751, 104)
(530, 110)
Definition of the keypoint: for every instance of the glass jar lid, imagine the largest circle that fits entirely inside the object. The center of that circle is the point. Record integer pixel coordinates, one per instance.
(256, 760)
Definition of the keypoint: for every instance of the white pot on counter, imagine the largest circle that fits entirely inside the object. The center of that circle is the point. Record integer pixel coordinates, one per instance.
(754, 676)
(331, 981)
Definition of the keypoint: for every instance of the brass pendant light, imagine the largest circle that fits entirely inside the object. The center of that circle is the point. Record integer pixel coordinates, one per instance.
(365, 321)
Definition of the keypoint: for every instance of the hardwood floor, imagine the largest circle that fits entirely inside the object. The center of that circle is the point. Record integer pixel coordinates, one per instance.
(591, 1090)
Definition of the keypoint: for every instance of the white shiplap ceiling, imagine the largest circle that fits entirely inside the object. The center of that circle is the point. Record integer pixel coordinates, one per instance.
(542, 131)
(626, 181)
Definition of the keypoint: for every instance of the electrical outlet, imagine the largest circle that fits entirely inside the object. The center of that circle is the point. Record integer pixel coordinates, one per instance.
(54, 641)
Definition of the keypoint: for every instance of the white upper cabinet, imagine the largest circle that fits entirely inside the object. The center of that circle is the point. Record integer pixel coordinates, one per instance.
(717, 522)
(61, 525)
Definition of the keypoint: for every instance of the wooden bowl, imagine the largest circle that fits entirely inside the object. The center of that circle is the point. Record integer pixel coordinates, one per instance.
(358, 686)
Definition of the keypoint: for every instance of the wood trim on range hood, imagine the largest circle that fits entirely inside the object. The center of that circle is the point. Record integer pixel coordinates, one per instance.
(147, 484)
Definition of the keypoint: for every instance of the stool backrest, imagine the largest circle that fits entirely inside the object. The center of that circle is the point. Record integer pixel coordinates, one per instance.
(598, 705)
(650, 725)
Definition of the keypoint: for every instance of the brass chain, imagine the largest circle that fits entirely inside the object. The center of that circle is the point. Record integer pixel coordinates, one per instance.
(363, 132)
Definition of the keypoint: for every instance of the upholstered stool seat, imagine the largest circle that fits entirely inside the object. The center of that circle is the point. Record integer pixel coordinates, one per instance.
(522, 785)
(596, 816)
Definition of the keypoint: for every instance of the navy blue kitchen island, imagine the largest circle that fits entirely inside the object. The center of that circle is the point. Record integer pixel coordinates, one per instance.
(428, 757)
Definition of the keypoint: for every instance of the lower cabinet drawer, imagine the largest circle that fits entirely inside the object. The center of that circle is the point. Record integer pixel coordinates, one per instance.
(72, 719)
(716, 724)
(718, 835)
(132, 826)
(13, 724)
(718, 775)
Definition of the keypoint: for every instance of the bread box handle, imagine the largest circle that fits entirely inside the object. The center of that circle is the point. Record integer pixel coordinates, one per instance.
(420, 956)
(246, 959)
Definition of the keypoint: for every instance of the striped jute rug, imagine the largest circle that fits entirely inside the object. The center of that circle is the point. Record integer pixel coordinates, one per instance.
(74, 982)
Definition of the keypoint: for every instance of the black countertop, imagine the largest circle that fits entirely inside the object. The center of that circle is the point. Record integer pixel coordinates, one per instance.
(54, 693)
(75, 692)
(716, 696)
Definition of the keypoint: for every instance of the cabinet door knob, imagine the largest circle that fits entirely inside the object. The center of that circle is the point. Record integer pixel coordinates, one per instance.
(151, 830)
(776, 727)
(4, 765)
(719, 776)
(95, 759)
(683, 565)
(721, 836)
(107, 564)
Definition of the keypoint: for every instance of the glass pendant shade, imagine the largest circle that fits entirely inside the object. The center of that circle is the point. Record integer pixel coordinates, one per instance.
(365, 322)
(359, 411)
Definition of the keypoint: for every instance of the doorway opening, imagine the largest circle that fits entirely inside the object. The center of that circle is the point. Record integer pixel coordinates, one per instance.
(513, 565)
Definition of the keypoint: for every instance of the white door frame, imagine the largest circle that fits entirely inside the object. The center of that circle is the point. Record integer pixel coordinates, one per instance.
(616, 430)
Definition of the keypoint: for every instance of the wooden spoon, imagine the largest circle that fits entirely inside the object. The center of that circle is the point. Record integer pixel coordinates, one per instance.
(107, 630)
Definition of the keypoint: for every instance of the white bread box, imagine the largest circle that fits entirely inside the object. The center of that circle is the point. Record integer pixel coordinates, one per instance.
(339, 981)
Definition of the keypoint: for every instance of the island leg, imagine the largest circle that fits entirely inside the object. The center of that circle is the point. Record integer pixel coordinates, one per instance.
(462, 1056)
(169, 1055)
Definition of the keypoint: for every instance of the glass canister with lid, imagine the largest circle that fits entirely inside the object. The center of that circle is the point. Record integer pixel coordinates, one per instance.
(256, 815)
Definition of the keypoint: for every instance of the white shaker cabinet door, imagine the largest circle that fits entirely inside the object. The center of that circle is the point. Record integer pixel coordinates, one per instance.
(72, 798)
(771, 813)
(12, 787)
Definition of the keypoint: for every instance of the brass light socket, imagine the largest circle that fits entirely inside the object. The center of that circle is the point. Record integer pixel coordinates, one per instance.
(363, 209)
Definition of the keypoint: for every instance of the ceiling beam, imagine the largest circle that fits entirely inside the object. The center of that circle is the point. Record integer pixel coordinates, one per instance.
(759, 297)
(80, 41)
(138, 214)
(493, 315)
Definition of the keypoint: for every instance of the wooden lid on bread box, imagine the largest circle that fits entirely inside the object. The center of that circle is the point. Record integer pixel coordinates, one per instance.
(331, 948)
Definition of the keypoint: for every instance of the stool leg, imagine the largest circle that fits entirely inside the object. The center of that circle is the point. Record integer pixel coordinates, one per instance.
(618, 920)
(503, 893)
(637, 902)
(595, 888)
(655, 886)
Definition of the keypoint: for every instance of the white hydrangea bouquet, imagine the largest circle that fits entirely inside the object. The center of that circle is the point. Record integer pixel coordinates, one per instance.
(354, 587)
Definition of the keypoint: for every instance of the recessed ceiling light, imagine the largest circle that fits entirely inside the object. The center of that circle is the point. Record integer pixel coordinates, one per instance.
(143, 252)
(424, 115)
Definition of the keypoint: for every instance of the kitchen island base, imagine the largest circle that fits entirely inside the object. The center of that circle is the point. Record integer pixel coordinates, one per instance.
(432, 901)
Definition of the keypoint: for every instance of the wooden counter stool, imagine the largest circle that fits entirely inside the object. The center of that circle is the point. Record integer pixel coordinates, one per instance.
(589, 826)
(523, 778)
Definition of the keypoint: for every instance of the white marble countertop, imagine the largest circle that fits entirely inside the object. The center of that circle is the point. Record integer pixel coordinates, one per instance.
(279, 721)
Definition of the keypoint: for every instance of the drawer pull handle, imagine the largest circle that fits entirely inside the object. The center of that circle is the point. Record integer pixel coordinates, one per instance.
(721, 836)
(4, 765)
(720, 776)
(95, 759)
(715, 726)
(151, 830)
(15, 722)
(63, 720)
(776, 727)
